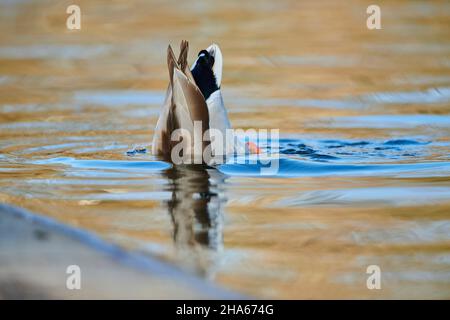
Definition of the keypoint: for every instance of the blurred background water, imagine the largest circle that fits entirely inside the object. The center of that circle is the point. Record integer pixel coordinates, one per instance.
(363, 116)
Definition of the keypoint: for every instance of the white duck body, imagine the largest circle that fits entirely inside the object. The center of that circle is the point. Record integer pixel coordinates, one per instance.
(218, 117)
(219, 121)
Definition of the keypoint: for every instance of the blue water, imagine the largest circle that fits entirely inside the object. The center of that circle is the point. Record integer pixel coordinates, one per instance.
(110, 164)
(298, 168)
(294, 158)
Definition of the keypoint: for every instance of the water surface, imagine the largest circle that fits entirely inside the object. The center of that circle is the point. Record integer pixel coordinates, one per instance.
(364, 153)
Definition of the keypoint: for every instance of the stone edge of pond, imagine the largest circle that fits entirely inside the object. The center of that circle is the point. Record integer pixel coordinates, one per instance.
(35, 251)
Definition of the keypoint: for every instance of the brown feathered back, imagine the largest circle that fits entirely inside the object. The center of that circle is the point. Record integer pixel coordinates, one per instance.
(183, 104)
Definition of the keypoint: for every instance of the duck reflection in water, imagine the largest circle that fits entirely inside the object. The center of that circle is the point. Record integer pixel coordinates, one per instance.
(195, 209)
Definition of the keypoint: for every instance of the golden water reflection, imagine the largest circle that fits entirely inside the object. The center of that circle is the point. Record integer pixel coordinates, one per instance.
(309, 68)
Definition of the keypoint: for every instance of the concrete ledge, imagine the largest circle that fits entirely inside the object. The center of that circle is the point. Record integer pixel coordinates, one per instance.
(35, 252)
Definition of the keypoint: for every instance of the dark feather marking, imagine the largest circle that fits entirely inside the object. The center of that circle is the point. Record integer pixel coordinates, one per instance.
(204, 75)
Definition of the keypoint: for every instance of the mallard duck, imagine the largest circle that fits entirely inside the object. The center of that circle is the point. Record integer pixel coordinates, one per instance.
(194, 95)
